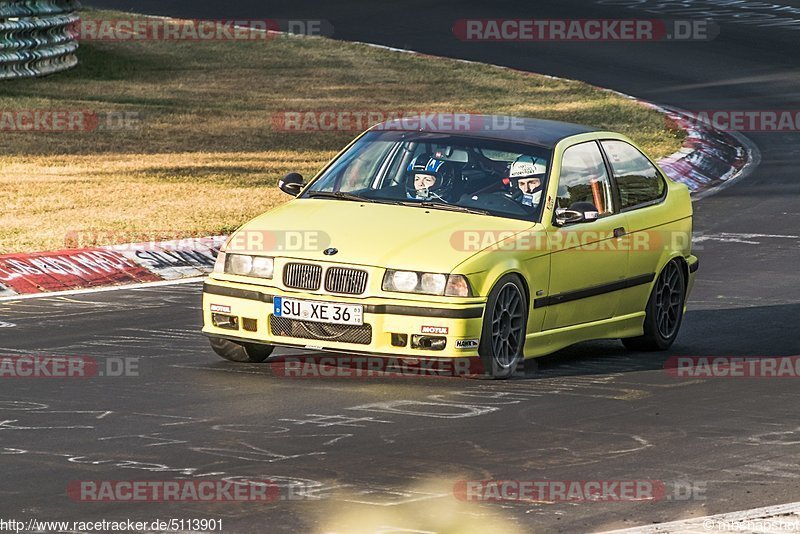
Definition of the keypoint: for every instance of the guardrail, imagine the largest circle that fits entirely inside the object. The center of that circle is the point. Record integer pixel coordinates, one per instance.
(35, 37)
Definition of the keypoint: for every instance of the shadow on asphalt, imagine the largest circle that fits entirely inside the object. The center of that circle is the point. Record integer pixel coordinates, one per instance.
(750, 331)
(763, 337)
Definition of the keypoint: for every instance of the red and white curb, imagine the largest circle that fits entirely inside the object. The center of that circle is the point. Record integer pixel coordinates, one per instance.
(770, 519)
(710, 159)
(101, 267)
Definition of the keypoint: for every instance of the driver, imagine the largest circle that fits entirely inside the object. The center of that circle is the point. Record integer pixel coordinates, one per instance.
(528, 173)
(430, 178)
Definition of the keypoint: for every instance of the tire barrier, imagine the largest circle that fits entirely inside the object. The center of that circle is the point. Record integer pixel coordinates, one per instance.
(36, 37)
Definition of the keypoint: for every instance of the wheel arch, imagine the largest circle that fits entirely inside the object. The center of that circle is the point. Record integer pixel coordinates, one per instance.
(521, 277)
(684, 265)
(665, 259)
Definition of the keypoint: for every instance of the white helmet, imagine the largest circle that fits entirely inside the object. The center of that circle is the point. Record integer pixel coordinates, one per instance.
(527, 167)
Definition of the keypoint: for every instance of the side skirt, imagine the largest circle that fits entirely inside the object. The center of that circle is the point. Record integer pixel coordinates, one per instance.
(549, 341)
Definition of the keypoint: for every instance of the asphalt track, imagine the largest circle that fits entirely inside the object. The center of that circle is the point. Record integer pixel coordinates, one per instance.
(593, 412)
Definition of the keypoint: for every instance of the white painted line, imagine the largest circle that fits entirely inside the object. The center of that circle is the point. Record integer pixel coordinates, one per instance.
(748, 239)
(143, 285)
(757, 520)
(745, 236)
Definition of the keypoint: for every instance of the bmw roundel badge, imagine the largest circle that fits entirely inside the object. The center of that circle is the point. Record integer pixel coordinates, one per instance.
(331, 251)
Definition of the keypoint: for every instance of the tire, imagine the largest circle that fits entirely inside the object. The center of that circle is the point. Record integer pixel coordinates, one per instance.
(240, 352)
(505, 323)
(664, 311)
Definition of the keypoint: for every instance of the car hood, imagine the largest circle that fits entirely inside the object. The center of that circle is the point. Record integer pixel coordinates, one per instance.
(379, 235)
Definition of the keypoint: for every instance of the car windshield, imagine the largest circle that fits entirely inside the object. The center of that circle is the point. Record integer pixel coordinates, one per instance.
(440, 171)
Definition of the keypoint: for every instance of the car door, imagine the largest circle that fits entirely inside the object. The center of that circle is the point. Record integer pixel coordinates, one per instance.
(588, 259)
(651, 231)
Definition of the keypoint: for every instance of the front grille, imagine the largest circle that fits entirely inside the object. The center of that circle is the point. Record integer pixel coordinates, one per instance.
(302, 276)
(342, 280)
(280, 326)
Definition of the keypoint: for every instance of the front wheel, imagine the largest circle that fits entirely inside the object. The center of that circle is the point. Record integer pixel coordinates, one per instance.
(504, 327)
(664, 312)
(240, 352)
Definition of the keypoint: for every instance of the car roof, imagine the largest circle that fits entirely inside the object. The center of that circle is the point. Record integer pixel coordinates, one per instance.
(541, 132)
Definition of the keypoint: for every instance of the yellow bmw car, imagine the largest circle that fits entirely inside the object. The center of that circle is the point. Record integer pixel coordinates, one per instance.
(498, 243)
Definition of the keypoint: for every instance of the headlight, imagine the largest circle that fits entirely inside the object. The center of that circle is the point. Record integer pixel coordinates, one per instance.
(239, 264)
(219, 265)
(458, 286)
(243, 265)
(263, 267)
(433, 283)
(455, 285)
(405, 281)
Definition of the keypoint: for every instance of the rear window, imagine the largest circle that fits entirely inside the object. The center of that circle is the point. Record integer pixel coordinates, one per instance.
(638, 180)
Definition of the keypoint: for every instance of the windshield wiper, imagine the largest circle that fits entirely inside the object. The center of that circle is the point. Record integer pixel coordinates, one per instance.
(338, 195)
(447, 207)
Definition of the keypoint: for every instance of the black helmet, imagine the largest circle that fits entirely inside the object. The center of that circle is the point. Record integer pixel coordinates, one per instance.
(443, 172)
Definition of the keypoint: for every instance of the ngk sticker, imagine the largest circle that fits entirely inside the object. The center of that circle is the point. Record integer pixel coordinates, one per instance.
(435, 330)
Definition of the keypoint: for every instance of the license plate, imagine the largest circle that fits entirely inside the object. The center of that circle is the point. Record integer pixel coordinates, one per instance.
(319, 312)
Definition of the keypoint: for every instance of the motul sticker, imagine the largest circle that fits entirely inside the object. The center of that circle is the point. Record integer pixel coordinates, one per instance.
(465, 344)
(435, 330)
(220, 308)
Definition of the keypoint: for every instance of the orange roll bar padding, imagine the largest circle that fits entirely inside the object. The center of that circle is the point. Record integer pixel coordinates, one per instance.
(597, 193)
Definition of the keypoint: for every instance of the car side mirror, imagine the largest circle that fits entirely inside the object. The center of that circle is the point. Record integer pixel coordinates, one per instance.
(566, 216)
(292, 184)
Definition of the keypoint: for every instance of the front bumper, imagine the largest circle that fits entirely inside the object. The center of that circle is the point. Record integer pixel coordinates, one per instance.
(459, 323)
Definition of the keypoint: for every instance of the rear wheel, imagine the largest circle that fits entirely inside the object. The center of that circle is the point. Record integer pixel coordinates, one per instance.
(240, 352)
(504, 327)
(664, 312)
